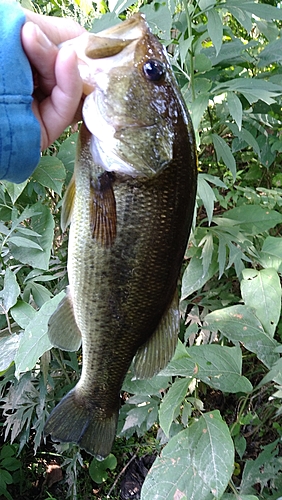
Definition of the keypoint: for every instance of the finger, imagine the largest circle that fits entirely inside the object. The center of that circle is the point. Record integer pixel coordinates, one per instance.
(58, 110)
(57, 29)
(42, 55)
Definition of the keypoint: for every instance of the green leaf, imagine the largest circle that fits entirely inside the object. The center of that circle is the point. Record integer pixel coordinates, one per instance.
(14, 190)
(261, 292)
(158, 19)
(50, 173)
(223, 151)
(98, 468)
(271, 253)
(170, 405)
(254, 219)
(239, 324)
(43, 224)
(220, 367)
(262, 10)
(215, 29)
(194, 277)
(206, 193)
(67, 150)
(198, 107)
(253, 89)
(8, 348)
(153, 386)
(20, 241)
(10, 292)
(34, 342)
(266, 467)
(198, 462)
(230, 496)
(23, 313)
(235, 108)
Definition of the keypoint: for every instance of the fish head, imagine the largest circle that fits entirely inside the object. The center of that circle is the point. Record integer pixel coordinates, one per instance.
(132, 106)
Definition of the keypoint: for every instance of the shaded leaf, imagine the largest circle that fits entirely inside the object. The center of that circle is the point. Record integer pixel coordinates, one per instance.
(254, 219)
(235, 108)
(194, 277)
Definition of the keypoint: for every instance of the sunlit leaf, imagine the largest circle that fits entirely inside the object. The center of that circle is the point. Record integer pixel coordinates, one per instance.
(198, 462)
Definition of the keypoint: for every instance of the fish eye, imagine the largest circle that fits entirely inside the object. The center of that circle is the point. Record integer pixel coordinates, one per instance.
(154, 70)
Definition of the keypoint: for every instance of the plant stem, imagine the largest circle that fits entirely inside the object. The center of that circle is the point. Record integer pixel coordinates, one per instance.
(191, 57)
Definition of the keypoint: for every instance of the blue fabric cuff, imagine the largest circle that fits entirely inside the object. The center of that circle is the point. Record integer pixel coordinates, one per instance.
(20, 130)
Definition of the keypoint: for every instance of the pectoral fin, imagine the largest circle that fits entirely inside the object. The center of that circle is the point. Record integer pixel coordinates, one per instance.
(63, 331)
(155, 354)
(67, 206)
(103, 210)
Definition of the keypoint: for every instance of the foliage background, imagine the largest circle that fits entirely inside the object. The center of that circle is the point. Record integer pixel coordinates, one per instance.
(213, 416)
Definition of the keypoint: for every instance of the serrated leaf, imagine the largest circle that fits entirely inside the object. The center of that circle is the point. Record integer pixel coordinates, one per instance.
(239, 324)
(254, 219)
(10, 292)
(170, 405)
(50, 173)
(235, 108)
(215, 29)
(34, 342)
(223, 152)
(197, 461)
(261, 292)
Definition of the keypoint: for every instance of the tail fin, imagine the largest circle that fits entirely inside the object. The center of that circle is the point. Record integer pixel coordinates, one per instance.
(75, 422)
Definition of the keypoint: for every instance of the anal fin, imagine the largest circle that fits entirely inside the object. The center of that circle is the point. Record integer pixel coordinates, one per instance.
(103, 210)
(155, 354)
(63, 331)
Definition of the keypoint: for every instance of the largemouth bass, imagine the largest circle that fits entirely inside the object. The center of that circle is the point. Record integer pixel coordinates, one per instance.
(130, 204)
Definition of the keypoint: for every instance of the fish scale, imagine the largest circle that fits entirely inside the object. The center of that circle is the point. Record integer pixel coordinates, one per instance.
(131, 207)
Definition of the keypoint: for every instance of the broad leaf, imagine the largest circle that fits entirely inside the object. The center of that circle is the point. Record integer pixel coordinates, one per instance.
(219, 367)
(239, 324)
(50, 173)
(23, 313)
(10, 292)
(261, 292)
(8, 348)
(197, 462)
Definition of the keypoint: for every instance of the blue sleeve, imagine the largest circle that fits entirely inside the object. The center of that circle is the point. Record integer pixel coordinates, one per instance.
(19, 128)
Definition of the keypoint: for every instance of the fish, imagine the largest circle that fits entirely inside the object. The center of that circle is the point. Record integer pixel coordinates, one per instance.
(130, 206)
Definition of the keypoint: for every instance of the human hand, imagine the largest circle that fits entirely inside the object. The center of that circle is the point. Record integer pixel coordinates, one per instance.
(57, 83)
